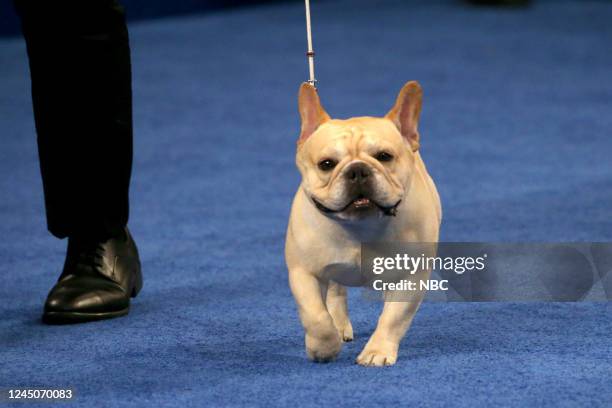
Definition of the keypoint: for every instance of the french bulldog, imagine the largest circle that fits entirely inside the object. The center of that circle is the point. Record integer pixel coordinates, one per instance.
(363, 180)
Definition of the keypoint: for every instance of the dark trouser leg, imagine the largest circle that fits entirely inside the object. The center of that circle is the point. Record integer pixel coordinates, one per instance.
(81, 88)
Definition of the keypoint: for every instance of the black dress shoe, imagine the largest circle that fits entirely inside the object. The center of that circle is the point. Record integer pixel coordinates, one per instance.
(98, 280)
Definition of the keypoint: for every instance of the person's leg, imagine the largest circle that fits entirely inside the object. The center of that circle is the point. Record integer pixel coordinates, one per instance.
(81, 89)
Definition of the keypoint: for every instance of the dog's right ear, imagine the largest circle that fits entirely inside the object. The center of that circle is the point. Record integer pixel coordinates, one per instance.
(312, 113)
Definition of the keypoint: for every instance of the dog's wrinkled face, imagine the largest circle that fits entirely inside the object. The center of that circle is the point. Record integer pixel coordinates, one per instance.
(360, 167)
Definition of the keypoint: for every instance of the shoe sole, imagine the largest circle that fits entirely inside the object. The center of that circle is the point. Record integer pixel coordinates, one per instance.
(78, 317)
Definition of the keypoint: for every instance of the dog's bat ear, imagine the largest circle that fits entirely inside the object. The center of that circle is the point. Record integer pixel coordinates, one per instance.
(405, 113)
(311, 111)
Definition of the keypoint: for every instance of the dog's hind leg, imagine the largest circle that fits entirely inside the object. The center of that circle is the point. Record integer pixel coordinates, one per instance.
(337, 306)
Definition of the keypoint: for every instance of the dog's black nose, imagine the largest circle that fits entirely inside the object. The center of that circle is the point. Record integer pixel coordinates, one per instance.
(357, 173)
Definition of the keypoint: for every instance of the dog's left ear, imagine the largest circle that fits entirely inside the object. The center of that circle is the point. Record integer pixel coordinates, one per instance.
(405, 113)
(311, 111)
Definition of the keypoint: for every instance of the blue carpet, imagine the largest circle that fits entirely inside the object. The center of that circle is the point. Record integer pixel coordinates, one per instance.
(516, 130)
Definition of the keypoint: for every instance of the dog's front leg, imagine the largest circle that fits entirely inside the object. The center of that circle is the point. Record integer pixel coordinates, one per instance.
(323, 342)
(396, 317)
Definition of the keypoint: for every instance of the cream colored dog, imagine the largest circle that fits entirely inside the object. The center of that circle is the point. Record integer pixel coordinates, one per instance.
(363, 180)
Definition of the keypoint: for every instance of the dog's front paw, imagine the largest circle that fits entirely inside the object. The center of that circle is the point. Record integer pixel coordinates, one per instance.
(323, 348)
(378, 354)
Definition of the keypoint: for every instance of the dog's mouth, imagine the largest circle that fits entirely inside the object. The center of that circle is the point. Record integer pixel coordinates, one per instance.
(360, 204)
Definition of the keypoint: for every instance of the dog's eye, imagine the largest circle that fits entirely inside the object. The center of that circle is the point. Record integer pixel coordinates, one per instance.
(384, 156)
(327, 164)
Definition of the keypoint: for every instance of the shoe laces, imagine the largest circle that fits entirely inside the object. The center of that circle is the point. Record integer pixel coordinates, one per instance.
(86, 254)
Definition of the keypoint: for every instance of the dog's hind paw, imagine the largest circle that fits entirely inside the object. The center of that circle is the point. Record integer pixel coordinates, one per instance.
(346, 333)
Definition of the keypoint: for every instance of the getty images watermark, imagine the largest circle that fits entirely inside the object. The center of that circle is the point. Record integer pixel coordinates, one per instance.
(411, 265)
(488, 271)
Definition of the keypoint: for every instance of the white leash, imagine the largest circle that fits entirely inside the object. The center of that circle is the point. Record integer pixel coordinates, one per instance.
(310, 53)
